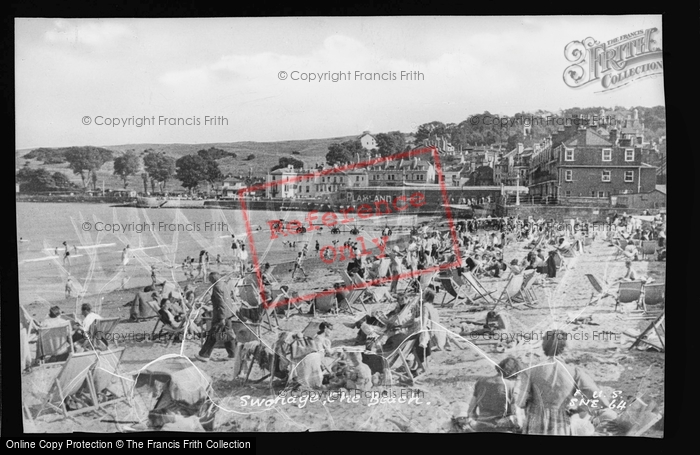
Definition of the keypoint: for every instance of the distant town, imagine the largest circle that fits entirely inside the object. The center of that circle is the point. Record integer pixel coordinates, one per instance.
(597, 160)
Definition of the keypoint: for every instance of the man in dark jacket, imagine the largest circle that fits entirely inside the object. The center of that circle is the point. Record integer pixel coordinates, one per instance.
(220, 324)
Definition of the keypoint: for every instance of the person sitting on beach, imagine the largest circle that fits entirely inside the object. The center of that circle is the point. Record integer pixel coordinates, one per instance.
(82, 328)
(631, 274)
(631, 252)
(170, 315)
(54, 319)
(358, 375)
(495, 267)
(492, 408)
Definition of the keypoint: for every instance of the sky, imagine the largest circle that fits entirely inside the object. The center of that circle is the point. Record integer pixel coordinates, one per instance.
(67, 70)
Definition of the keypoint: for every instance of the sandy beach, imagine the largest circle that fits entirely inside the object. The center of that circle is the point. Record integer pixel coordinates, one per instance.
(599, 347)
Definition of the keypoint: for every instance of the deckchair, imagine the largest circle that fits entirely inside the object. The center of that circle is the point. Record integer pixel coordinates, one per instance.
(249, 294)
(423, 280)
(450, 287)
(374, 293)
(396, 364)
(167, 329)
(649, 248)
(478, 287)
(102, 330)
(601, 288)
(587, 241)
(619, 253)
(511, 289)
(357, 293)
(623, 243)
(277, 301)
(325, 303)
(106, 374)
(654, 294)
(53, 341)
(629, 291)
(658, 325)
(526, 294)
(70, 377)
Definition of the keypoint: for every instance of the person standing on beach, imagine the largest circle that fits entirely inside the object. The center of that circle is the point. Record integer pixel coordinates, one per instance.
(298, 266)
(69, 287)
(66, 254)
(125, 255)
(221, 328)
(243, 257)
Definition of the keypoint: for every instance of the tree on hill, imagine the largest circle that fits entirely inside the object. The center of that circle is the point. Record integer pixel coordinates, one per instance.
(212, 174)
(86, 161)
(286, 161)
(428, 130)
(38, 180)
(62, 181)
(127, 165)
(160, 168)
(390, 143)
(344, 152)
(190, 170)
(214, 153)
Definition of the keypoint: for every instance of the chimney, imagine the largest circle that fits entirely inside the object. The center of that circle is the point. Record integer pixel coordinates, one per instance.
(613, 136)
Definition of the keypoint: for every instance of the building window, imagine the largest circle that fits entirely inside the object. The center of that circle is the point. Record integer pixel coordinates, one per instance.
(606, 176)
(592, 193)
(568, 154)
(607, 154)
(629, 154)
(307, 188)
(568, 194)
(629, 176)
(569, 175)
(601, 193)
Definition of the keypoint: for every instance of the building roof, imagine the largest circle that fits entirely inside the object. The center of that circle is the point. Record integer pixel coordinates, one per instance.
(661, 188)
(587, 137)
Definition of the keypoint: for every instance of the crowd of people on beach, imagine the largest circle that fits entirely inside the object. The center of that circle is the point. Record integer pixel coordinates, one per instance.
(512, 400)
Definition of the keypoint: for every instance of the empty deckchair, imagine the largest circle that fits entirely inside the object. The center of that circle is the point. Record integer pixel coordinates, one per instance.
(70, 377)
(279, 301)
(657, 339)
(53, 342)
(479, 288)
(371, 293)
(527, 294)
(357, 293)
(422, 281)
(629, 291)
(452, 288)
(102, 330)
(619, 253)
(649, 248)
(511, 289)
(601, 289)
(654, 294)
(107, 377)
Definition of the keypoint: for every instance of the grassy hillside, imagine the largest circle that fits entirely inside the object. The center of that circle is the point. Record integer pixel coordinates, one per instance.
(267, 154)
